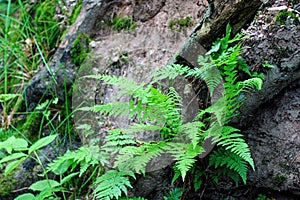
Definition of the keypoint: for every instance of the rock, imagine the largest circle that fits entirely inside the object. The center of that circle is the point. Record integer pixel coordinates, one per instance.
(145, 10)
(275, 143)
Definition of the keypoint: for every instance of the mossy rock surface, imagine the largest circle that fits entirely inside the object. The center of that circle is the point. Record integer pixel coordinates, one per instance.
(80, 48)
(7, 185)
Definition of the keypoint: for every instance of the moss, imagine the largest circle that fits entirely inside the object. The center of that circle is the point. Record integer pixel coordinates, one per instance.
(123, 23)
(30, 125)
(283, 15)
(80, 49)
(75, 12)
(278, 179)
(180, 24)
(7, 184)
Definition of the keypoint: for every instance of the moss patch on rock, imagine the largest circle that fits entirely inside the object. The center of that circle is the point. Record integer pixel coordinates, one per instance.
(278, 179)
(123, 23)
(282, 17)
(7, 185)
(181, 24)
(80, 48)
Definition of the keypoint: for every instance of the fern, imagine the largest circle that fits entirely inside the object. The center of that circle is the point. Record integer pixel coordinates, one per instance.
(191, 132)
(233, 162)
(136, 158)
(232, 140)
(159, 112)
(116, 140)
(148, 105)
(85, 157)
(184, 154)
(174, 194)
(250, 84)
(111, 184)
(127, 86)
(111, 109)
(169, 72)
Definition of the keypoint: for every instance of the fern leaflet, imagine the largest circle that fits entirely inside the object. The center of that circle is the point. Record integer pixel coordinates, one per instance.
(184, 154)
(136, 158)
(232, 140)
(232, 161)
(84, 156)
(111, 184)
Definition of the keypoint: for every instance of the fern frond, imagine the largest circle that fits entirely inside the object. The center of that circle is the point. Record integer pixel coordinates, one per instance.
(111, 109)
(136, 158)
(208, 72)
(135, 128)
(250, 84)
(184, 154)
(232, 140)
(217, 111)
(127, 86)
(168, 72)
(174, 194)
(111, 184)
(116, 139)
(230, 160)
(192, 131)
(84, 156)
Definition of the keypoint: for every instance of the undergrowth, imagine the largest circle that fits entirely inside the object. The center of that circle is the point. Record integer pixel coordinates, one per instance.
(29, 35)
(108, 171)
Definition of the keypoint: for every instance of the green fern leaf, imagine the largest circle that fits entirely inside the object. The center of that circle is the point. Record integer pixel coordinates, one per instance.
(116, 139)
(184, 154)
(111, 109)
(136, 158)
(230, 160)
(84, 156)
(232, 140)
(192, 131)
(127, 86)
(251, 84)
(174, 194)
(168, 72)
(111, 184)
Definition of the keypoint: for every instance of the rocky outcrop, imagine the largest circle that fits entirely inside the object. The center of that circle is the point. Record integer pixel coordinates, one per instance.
(269, 118)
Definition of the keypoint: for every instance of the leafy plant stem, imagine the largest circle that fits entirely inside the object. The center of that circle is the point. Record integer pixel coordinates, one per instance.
(67, 111)
(6, 35)
(44, 61)
(90, 177)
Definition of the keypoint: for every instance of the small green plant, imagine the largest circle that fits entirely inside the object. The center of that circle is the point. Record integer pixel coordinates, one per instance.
(262, 197)
(174, 194)
(18, 150)
(150, 106)
(122, 23)
(283, 15)
(80, 48)
(5, 134)
(111, 184)
(180, 24)
(29, 34)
